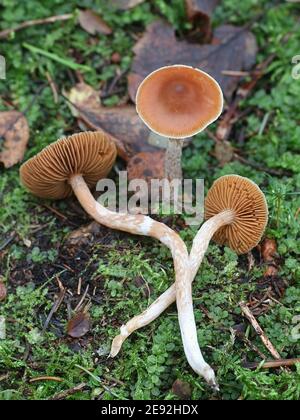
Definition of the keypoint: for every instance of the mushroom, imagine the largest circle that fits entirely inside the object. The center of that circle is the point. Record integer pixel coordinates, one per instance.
(178, 102)
(236, 215)
(74, 164)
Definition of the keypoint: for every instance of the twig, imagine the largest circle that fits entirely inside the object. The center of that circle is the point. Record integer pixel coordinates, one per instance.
(272, 364)
(260, 167)
(53, 87)
(54, 308)
(56, 212)
(240, 335)
(29, 23)
(46, 378)
(64, 394)
(259, 331)
(97, 379)
(82, 299)
(7, 241)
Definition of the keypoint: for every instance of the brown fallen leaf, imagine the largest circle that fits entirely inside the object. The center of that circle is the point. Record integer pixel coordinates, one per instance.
(14, 128)
(199, 14)
(79, 325)
(146, 166)
(83, 236)
(83, 96)
(92, 23)
(3, 291)
(233, 49)
(269, 255)
(125, 4)
(122, 123)
(182, 389)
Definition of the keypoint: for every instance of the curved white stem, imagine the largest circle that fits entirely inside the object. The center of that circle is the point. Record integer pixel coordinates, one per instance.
(199, 248)
(143, 225)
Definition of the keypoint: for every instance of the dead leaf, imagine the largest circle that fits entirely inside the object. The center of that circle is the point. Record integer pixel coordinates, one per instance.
(233, 49)
(199, 14)
(79, 325)
(14, 128)
(125, 4)
(122, 123)
(92, 23)
(83, 236)
(83, 96)
(146, 166)
(224, 152)
(182, 389)
(269, 255)
(3, 291)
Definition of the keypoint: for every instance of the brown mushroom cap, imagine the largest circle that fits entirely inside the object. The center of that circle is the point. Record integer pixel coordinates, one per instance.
(90, 154)
(179, 101)
(244, 197)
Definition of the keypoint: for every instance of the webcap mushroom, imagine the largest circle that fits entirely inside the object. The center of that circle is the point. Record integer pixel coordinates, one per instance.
(178, 102)
(75, 164)
(237, 215)
(78, 162)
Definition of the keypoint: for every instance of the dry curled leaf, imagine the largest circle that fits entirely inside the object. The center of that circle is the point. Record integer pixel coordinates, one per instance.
(122, 123)
(92, 23)
(269, 255)
(83, 96)
(182, 389)
(125, 4)
(15, 131)
(79, 325)
(83, 236)
(3, 291)
(233, 49)
(199, 14)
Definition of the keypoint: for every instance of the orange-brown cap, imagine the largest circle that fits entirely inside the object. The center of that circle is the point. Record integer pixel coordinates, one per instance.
(179, 101)
(244, 197)
(90, 154)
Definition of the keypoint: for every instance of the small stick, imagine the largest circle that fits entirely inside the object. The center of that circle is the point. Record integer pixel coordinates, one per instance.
(52, 19)
(56, 212)
(242, 337)
(64, 394)
(272, 364)
(82, 299)
(7, 241)
(79, 286)
(53, 87)
(235, 73)
(54, 308)
(46, 378)
(259, 331)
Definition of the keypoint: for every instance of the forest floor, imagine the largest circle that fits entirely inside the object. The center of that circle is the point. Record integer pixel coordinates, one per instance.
(39, 265)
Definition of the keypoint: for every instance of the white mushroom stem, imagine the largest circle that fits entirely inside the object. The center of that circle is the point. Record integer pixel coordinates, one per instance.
(199, 248)
(173, 168)
(143, 225)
